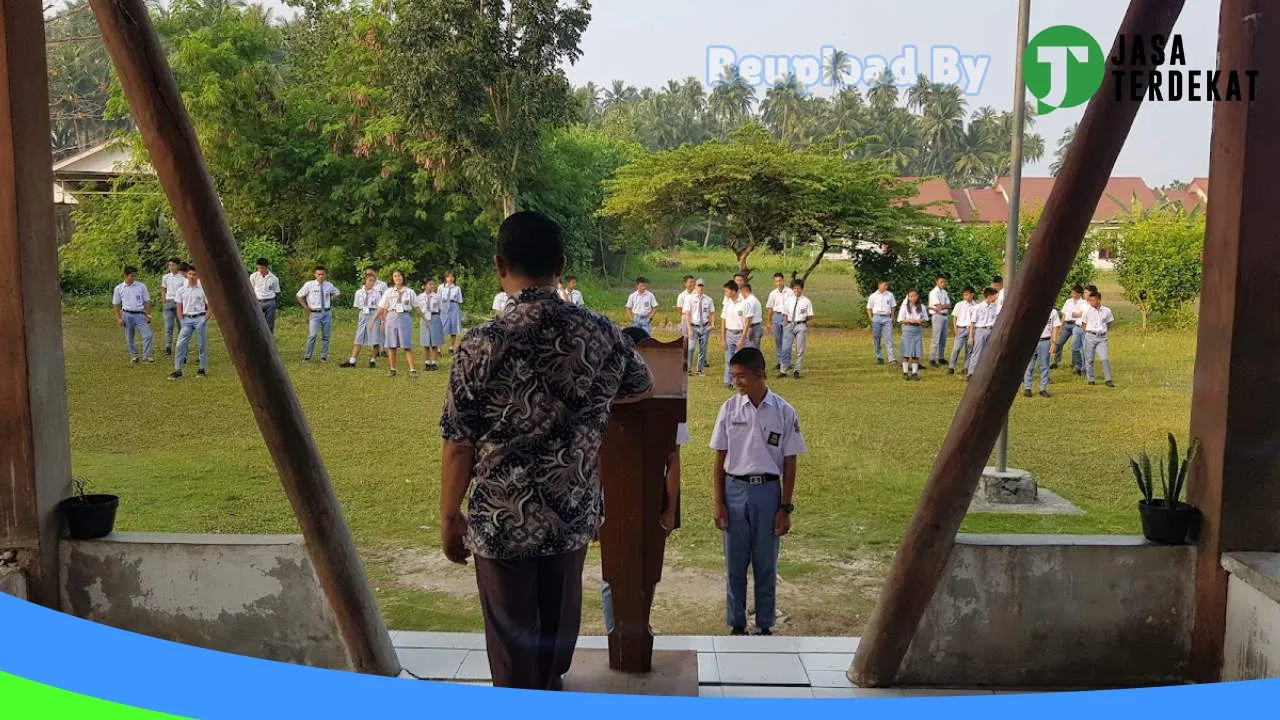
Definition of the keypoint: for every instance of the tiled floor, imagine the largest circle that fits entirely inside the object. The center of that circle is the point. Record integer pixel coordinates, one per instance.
(777, 667)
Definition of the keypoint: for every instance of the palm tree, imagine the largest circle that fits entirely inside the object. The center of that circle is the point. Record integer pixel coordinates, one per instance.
(894, 139)
(732, 100)
(919, 95)
(784, 109)
(1064, 144)
(941, 126)
(837, 66)
(884, 94)
(619, 93)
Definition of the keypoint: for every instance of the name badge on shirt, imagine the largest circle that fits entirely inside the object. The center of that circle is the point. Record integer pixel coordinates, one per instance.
(738, 423)
(399, 307)
(775, 439)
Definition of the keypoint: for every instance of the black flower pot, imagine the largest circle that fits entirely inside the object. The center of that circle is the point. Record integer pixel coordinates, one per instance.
(90, 517)
(1165, 525)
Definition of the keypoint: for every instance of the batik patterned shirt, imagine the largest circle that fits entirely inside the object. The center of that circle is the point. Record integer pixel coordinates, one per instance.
(531, 392)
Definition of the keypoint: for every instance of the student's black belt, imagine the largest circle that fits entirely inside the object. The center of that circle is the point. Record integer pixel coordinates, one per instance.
(799, 322)
(193, 315)
(134, 312)
(1099, 334)
(755, 479)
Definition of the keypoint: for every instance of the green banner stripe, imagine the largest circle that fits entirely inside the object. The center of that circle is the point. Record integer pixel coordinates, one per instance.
(24, 699)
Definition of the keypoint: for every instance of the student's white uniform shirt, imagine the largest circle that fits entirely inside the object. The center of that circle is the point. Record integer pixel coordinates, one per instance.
(1000, 300)
(574, 297)
(172, 283)
(380, 287)
(778, 300)
(401, 301)
(731, 313)
(500, 302)
(450, 294)
(192, 300)
(366, 301)
(1098, 320)
(699, 308)
(756, 440)
(1055, 321)
(798, 309)
(684, 295)
(881, 303)
(265, 288)
(682, 434)
(938, 296)
(642, 305)
(906, 313)
(131, 298)
(964, 313)
(752, 309)
(429, 303)
(319, 297)
(984, 315)
(1073, 306)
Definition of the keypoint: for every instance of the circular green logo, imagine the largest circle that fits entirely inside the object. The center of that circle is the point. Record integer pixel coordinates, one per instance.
(1063, 67)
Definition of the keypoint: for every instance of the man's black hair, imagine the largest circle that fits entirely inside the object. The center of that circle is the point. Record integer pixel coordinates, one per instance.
(183, 267)
(571, 278)
(319, 268)
(175, 261)
(644, 280)
(1097, 295)
(1077, 289)
(1091, 288)
(750, 359)
(990, 292)
(747, 287)
(636, 334)
(942, 276)
(780, 275)
(130, 270)
(687, 278)
(997, 279)
(731, 285)
(531, 244)
(798, 283)
(969, 289)
(263, 262)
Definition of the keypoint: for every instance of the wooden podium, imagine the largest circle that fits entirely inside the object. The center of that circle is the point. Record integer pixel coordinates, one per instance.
(633, 460)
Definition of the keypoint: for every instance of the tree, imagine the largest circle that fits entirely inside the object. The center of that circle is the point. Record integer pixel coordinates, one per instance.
(732, 100)
(1064, 144)
(964, 253)
(1159, 258)
(478, 82)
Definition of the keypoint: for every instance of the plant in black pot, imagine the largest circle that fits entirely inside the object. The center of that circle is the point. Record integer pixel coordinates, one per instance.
(1166, 520)
(88, 517)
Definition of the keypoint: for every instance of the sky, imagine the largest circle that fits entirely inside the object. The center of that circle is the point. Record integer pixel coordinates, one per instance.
(649, 42)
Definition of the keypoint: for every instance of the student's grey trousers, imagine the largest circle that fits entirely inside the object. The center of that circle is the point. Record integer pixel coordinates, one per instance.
(750, 541)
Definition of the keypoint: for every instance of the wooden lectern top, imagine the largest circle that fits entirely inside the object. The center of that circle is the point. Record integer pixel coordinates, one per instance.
(669, 365)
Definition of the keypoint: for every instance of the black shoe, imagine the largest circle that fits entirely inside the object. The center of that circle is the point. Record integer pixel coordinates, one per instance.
(324, 359)
(175, 375)
(1092, 383)
(1110, 384)
(1045, 394)
(373, 363)
(738, 631)
(133, 360)
(796, 375)
(347, 364)
(168, 352)
(1053, 366)
(764, 631)
(306, 359)
(879, 361)
(200, 374)
(951, 371)
(933, 363)
(777, 366)
(915, 376)
(1026, 393)
(1078, 371)
(905, 376)
(782, 375)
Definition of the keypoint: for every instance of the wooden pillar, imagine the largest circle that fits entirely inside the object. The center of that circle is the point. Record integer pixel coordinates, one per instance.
(1236, 479)
(34, 440)
(918, 566)
(166, 128)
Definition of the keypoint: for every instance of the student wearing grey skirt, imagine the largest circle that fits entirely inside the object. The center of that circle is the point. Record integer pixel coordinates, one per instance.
(912, 315)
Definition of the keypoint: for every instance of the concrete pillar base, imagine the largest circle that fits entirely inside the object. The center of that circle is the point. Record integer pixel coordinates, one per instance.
(1011, 487)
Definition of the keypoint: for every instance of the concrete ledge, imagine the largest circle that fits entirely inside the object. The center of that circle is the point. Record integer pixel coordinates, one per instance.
(1251, 647)
(1259, 569)
(13, 582)
(1046, 611)
(244, 594)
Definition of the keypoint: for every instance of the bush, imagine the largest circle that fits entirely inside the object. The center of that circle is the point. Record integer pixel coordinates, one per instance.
(264, 247)
(961, 252)
(1159, 260)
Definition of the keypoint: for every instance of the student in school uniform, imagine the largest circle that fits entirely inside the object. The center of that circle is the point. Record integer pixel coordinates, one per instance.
(378, 284)
(395, 310)
(797, 312)
(1044, 349)
(981, 320)
(316, 297)
(170, 284)
(731, 328)
(670, 519)
(880, 307)
(1096, 324)
(962, 319)
(753, 314)
(684, 294)
(501, 303)
(366, 304)
(779, 296)
(940, 320)
(132, 305)
(377, 328)
(699, 315)
(739, 279)
(912, 316)
(431, 330)
(997, 283)
(1072, 315)
(756, 440)
(266, 288)
(451, 315)
(572, 294)
(193, 308)
(642, 305)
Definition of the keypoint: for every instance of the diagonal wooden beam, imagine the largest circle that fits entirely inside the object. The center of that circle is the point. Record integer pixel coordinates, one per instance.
(922, 557)
(166, 128)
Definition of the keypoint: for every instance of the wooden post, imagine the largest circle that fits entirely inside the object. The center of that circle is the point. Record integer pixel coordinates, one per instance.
(922, 557)
(34, 439)
(1236, 479)
(166, 128)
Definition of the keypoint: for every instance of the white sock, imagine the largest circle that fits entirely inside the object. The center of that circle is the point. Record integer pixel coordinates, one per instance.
(915, 368)
(905, 366)
(352, 360)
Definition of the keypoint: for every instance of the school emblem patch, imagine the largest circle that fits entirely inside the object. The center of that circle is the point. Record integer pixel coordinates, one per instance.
(775, 438)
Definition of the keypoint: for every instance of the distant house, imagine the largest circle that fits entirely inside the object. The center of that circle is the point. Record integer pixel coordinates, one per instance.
(92, 172)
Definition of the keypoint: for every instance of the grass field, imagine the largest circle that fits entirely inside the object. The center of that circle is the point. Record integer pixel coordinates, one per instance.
(187, 457)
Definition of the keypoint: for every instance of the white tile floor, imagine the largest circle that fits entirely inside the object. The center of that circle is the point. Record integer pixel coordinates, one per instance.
(776, 667)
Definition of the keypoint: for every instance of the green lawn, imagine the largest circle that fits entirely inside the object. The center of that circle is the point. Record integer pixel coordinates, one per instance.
(187, 457)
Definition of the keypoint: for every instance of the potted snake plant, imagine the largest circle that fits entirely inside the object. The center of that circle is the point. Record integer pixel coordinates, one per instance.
(88, 517)
(1166, 520)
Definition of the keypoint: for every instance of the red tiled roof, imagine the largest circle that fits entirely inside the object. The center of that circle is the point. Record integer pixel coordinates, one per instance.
(1200, 186)
(1119, 196)
(935, 195)
(988, 206)
(1034, 193)
(1189, 200)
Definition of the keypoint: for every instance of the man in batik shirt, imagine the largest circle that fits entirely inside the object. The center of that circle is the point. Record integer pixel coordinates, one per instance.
(527, 409)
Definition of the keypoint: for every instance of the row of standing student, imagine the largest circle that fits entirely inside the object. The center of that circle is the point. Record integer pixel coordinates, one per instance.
(186, 315)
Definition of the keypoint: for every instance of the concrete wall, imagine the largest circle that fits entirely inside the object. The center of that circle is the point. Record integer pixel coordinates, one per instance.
(1048, 611)
(245, 594)
(13, 582)
(1252, 646)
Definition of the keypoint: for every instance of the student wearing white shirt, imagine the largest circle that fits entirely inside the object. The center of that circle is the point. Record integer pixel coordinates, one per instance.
(1096, 324)
(379, 287)
(1044, 348)
(170, 284)
(193, 308)
(912, 316)
(572, 294)
(796, 312)
(395, 311)
(1072, 315)
(880, 307)
(641, 306)
(266, 286)
(685, 293)
(981, 320)
(132, 305)
(316, 297)
(962, 319)
(940, 319)
(753, 313)
(501, 303)
(366, 304)
(732, 327)
(431, 330)
(778, 298)
(451, 314)
(997, 283)
(699, 315)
